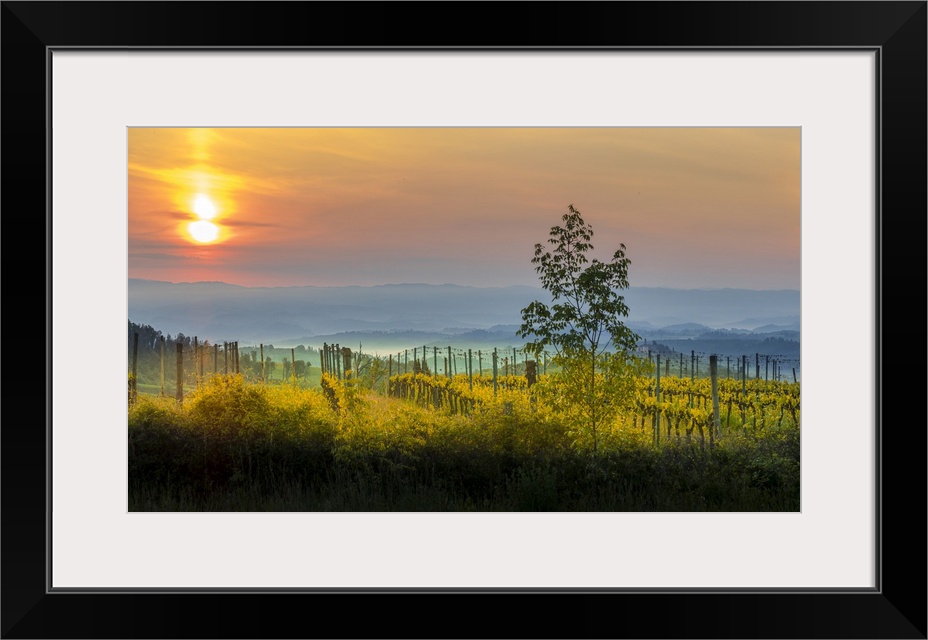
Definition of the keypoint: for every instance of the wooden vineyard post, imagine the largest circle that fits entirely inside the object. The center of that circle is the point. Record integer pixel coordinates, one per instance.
(237, 367)
(389, 384)
(766, 368)
(480, 362)
(162, 366)
(531, 372)
(337, 362)
(225, 358)
(180, 373)
(744, 375)
(728, 366)
(449, 366)
(346, 360)
(435, 361)
(322, 360)
(657, 402)
(681, 364)
(415, 360)
(293, 364)
(667, 367)
(263, 378)
(203, 351)
(134, 386)
(794, 375)
(714, 375)
(544, 365)
(756, 366)
(216, 358)
(470, 369)
(196, 359)
(495, 371)
(531, 377)
(514, 361)
(198, 365)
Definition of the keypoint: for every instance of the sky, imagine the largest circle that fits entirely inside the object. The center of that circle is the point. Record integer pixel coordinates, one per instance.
(696, 208)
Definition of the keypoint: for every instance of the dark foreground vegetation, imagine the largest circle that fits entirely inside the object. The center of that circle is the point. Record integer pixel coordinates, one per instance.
(239, 446)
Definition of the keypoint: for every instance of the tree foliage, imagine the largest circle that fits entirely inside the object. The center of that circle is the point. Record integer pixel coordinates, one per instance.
(586, 309)
(583, 323)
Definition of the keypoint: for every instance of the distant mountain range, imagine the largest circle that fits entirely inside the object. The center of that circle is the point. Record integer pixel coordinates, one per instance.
(419, 314)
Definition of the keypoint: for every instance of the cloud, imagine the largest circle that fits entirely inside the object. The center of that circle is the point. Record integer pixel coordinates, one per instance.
(468, 204)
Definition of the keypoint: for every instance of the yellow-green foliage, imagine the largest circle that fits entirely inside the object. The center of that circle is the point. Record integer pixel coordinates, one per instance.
(589, 394)
(230, 430)
(230, 406)
(156, 411)
(380, 434)
(234, 433)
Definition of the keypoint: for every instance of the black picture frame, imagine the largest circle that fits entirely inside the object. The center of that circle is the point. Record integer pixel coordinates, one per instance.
(895, 609)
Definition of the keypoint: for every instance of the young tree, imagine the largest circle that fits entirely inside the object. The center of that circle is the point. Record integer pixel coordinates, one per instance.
(594, 349)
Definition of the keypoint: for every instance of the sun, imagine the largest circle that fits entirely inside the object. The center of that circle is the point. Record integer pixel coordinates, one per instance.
(204, 207)
(203, 231)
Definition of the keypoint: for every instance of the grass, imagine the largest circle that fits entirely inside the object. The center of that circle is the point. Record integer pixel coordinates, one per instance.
(237, 446)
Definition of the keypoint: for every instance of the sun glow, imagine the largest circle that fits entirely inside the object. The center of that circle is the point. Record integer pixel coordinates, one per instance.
(203, 231)
(204, 207)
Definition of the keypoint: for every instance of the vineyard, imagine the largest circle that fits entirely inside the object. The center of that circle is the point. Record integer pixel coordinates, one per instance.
(745, 409)
(748, 405)
(377, 435)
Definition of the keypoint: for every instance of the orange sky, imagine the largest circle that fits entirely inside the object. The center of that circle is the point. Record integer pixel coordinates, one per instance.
(696, 208)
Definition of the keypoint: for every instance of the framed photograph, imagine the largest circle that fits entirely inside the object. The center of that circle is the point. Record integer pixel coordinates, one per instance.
(117, 88)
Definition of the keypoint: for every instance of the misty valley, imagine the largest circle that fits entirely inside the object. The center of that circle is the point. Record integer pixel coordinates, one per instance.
(445, 417)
